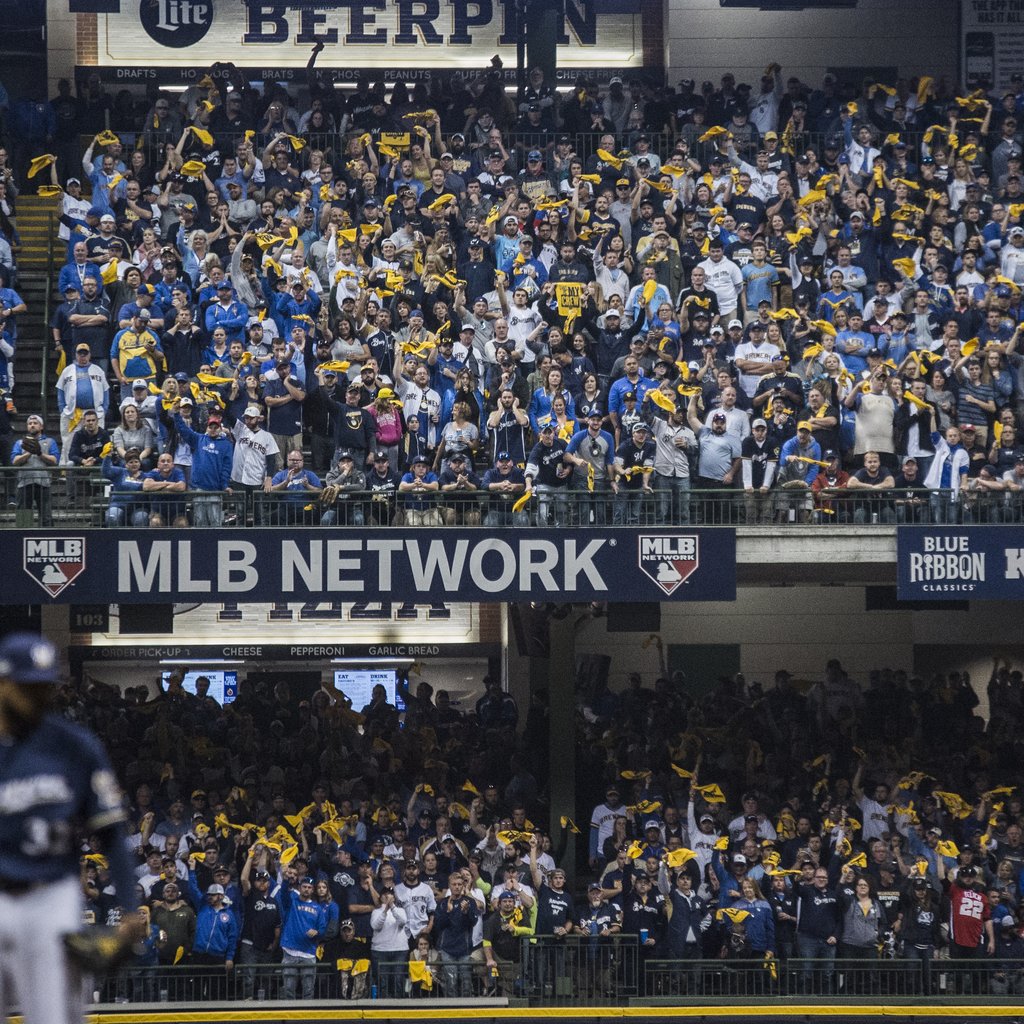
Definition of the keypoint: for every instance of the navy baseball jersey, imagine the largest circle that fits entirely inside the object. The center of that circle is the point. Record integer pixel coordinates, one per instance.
(53, 784)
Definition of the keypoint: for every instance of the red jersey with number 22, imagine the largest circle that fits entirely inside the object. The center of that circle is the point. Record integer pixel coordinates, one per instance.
(968, 912)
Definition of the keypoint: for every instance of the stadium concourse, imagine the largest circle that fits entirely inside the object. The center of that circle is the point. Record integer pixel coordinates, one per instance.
(337, 313)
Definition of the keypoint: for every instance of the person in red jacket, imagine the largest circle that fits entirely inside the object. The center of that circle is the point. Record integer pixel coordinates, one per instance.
(970, 923)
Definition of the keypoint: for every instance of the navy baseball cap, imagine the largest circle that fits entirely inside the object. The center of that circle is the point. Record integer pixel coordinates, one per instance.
(28, 658)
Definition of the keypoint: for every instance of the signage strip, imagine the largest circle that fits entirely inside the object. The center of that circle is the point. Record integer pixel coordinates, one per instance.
(401, 564)
(951, 563)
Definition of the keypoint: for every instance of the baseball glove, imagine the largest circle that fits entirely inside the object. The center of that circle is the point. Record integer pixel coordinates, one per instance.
(329, 495)
(97, 950)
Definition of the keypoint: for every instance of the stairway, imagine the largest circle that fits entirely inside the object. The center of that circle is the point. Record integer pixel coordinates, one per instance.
(37, 225)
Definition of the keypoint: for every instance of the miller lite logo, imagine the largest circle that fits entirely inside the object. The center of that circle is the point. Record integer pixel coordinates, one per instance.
(54, 562)
(668, 559)
(176, 23)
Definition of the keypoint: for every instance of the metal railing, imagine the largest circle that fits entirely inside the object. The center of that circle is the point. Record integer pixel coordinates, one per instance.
(576, 970)
(907, 977)
(81, 497)
(44, 353)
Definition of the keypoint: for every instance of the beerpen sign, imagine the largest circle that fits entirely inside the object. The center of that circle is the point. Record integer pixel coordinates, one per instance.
(358, 34)
(157, 566)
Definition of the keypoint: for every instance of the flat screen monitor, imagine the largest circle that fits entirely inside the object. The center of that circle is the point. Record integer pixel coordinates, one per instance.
(223, 685)
(357, 684)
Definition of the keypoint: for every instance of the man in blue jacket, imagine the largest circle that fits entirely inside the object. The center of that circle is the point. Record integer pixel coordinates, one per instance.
(454, 919)
(212, 455)
(304, 923)
(799, 463)
(216, 932)
(228, 313)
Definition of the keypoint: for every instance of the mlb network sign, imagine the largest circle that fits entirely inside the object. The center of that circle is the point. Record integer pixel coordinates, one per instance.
(163, 566)
(951, 563)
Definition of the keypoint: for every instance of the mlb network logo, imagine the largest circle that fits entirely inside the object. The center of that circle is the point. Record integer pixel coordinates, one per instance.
(54, 562)
(668, 559)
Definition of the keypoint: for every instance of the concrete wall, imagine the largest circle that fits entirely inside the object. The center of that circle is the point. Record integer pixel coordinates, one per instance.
(61, 43)
(800, 628)
(703, 40)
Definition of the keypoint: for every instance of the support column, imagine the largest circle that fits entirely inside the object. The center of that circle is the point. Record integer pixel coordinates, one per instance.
(544, 21)
(561, 684)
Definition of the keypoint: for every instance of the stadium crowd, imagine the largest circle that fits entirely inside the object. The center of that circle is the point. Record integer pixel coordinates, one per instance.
(447, 303)
(406, 849)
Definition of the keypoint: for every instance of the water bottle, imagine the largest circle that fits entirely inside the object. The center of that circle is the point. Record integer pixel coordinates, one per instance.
(163, 995)
(261, 994)
(373, 991)
(643, 935)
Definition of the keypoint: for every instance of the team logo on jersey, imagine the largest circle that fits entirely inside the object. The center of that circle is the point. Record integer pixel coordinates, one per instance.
(54, 562)
(668, 559)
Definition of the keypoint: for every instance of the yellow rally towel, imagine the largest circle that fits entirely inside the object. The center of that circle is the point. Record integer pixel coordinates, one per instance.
(733, 914)
(521, 502)
(193, 168)
(513, 836)
(677, 858)
(608, 158)
(712, 793)
(442, 201)
(713, 133)
(566, 822)
(49, 191)
(420, 972)
(660, 399)
(202, 135)
(39, 162)
(645, 807)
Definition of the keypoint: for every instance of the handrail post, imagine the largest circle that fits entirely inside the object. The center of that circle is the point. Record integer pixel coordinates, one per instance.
(47, 298)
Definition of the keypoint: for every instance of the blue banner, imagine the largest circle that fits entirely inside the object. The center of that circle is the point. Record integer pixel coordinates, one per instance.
(954, 563)
(166, 566)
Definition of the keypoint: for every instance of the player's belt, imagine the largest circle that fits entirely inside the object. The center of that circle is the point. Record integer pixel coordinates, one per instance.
(15, 888)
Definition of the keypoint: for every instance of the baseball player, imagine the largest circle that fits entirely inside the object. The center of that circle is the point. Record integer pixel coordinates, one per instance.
(55, 785)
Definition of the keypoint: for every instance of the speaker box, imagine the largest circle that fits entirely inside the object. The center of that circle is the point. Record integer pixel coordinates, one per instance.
(634, 618)
(146, 618)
